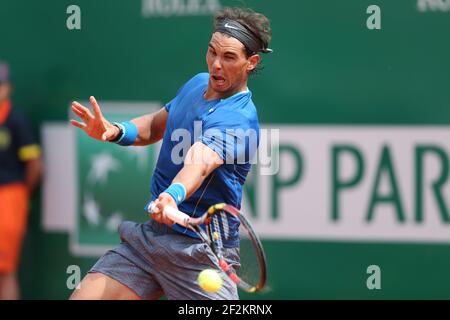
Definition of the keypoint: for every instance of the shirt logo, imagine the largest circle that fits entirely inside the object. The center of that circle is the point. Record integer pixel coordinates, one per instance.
(227, 25)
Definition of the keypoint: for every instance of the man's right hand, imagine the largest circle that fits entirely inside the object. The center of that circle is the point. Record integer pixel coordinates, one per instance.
(163, 200)
(96, 126)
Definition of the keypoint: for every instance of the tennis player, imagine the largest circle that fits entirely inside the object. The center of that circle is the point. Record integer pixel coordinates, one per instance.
(21, 169)
(212, 109)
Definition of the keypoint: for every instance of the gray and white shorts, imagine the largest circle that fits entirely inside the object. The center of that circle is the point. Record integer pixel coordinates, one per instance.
(153, 260)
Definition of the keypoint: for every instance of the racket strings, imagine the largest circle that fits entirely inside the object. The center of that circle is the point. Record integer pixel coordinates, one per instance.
(250, 270)
(217, 234)
(248, 262)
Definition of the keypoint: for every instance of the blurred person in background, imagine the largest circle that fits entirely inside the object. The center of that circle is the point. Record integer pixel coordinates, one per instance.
(20, 172)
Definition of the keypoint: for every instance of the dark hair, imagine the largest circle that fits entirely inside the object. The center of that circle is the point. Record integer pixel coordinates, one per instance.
(256, 22)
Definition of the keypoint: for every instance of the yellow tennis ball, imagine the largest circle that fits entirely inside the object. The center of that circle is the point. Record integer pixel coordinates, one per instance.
(210, 280)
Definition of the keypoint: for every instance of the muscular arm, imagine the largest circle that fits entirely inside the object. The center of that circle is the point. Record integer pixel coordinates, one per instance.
(200, 161)
(151, 127)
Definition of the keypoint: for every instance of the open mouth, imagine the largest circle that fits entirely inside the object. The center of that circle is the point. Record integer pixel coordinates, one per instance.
(218, 79)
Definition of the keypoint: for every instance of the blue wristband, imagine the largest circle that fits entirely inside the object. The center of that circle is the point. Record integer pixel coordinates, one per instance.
(129, 133)
(177, 191)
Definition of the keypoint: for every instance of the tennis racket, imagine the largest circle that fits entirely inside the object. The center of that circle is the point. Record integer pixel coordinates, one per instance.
(251, 274)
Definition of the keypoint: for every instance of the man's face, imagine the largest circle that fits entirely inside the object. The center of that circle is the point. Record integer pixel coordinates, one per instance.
(227, 64)
(5, 90)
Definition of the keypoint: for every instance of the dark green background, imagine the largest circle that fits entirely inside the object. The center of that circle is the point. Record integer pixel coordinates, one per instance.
(328, 68)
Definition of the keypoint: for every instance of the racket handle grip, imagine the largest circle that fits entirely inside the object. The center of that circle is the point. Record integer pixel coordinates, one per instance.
(173, 214)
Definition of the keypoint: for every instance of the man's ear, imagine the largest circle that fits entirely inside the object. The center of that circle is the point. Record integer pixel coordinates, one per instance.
(253, 62)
